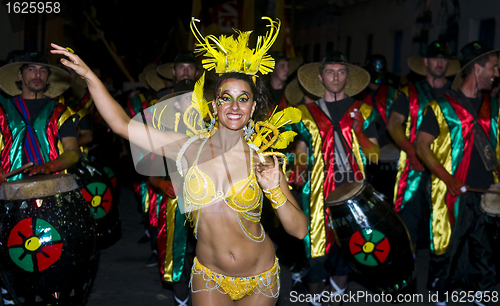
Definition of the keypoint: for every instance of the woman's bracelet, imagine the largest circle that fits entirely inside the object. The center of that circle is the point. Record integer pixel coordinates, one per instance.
(276, 196)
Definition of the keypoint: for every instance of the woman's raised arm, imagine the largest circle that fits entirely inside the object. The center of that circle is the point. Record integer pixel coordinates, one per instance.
(159, 142)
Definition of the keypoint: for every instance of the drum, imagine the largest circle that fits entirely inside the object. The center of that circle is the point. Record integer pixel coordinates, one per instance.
(371, 237)
(386, 171)
(47, 241)
(102, 198)
(490, 206)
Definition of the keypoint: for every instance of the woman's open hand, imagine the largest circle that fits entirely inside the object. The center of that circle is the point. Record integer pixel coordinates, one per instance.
(75, 62)
(268, 173)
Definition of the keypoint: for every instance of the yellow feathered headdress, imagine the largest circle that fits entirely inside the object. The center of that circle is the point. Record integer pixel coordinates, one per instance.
(228, 54)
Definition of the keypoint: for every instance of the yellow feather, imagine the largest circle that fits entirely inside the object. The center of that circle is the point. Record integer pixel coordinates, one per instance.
(284, 140)
(227, 54)
(289, 115)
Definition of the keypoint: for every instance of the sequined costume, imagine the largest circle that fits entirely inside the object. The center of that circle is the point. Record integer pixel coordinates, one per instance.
(46, 126)
(238, 287)
(243, 196)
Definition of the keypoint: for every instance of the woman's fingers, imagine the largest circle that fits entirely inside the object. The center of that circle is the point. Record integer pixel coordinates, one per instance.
(60, 50)
(275, 158)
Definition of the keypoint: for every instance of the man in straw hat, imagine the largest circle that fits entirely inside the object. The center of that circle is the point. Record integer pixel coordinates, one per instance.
(283, 68)
(411, 195)
(183, 67)
(338, 156)
(36, 128)
(458, 141)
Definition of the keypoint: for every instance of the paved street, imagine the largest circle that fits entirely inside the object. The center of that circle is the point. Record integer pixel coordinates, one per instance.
(123, 279)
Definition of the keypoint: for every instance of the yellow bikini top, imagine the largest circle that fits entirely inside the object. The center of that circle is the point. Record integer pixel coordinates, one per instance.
(199, 189)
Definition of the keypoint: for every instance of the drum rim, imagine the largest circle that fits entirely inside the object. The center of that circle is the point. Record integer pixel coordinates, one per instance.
(9, 192)
(482, 205)
(362, 185)
(34, 178)
(388, 160)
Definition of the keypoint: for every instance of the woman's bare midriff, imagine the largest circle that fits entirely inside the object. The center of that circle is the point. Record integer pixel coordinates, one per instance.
(224, 247)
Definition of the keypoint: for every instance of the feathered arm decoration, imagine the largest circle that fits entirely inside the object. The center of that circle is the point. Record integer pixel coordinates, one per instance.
(198, 110)
(269, 128)
(267, 133)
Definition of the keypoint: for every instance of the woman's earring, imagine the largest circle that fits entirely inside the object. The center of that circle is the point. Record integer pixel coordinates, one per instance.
(249, 129)
(212, 123)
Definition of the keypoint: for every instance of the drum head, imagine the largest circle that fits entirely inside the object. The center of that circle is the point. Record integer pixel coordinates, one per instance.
(37, 187)
(389, 153)
(490, 202)
(344, 192)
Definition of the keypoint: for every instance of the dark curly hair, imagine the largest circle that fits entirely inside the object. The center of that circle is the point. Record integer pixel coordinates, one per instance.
(259, 91)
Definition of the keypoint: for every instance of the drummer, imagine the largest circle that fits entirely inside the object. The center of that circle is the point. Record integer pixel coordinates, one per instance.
(46, 132)
(448, 143)
(380, 94)
(338, 156)
(278, 78)
(411, 193)
(174, 269)
(31, 83)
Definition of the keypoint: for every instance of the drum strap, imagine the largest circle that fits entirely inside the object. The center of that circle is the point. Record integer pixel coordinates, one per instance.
(481, 142)
(31, 146)
(181, 302)
(337, 291)
(341, 157)
(427, 91)
(4, 281)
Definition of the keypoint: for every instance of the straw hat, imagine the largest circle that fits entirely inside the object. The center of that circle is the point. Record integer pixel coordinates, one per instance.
(468, 55)
(154, 80)
(59, 79)
(357, 81)
(294, 92)
(165, 70)
(294, 64)
(143, 80)
(142, 75)
(438, 48)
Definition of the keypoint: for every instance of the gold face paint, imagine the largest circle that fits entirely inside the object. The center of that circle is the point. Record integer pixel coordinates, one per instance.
(225, 97)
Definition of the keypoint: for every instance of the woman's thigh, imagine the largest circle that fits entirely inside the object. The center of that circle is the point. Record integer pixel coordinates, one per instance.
(257, 299)
(202, 297)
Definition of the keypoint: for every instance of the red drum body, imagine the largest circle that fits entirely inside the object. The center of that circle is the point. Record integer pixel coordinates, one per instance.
(98, 189)
(371, 237)
(48, 241)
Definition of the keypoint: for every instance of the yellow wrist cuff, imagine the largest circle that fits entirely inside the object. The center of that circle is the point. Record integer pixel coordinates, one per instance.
(276, 196)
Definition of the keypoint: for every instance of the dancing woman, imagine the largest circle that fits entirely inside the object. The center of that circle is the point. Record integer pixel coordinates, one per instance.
(225, 178)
